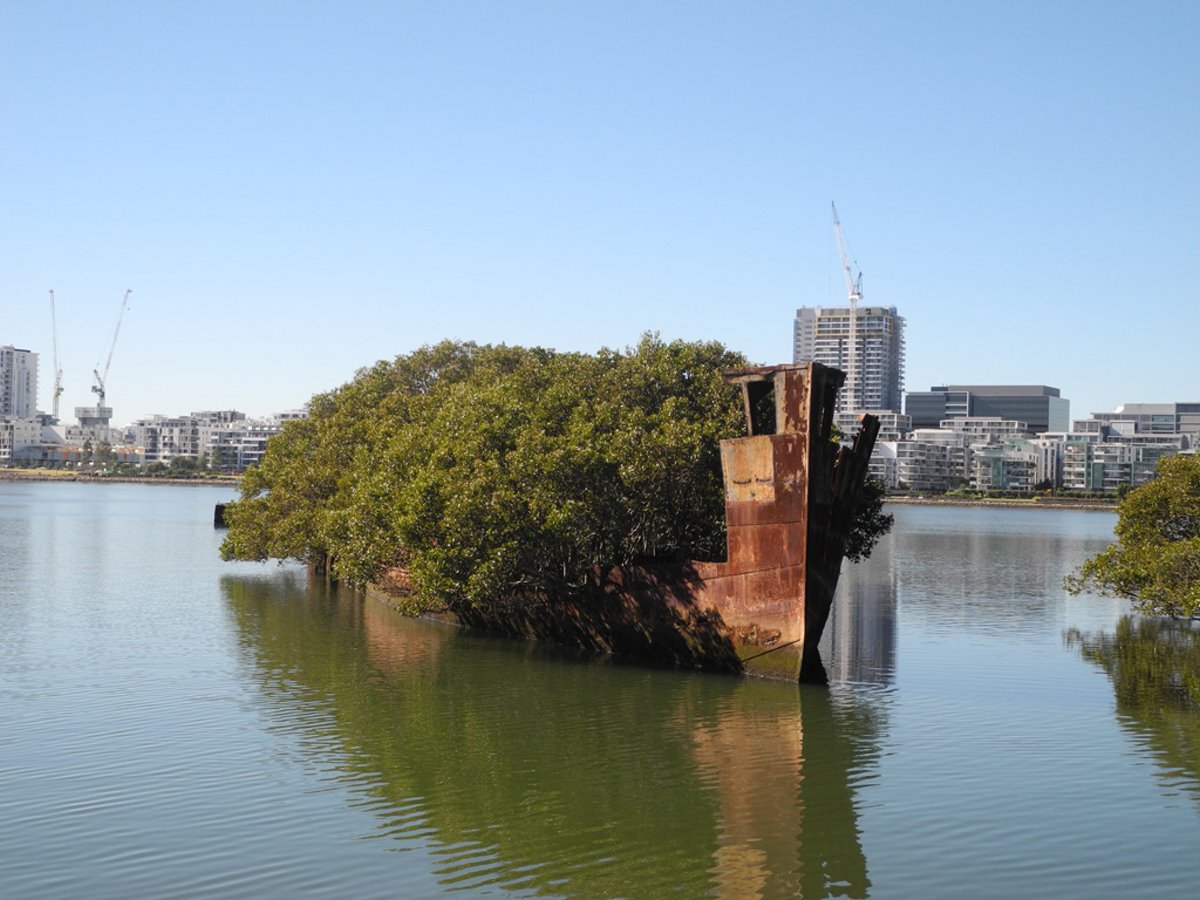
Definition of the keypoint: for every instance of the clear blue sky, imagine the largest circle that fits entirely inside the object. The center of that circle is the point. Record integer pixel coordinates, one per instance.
(294, 190)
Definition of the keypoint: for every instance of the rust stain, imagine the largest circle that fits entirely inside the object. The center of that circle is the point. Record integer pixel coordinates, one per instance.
(749, 471)
(753, 636)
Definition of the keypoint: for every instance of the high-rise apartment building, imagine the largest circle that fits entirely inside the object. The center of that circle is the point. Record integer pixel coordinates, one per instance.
(823, 335)
(18, 382)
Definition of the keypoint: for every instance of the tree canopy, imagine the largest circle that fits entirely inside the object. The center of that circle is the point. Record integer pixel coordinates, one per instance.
(491, 471)
(1155, 561)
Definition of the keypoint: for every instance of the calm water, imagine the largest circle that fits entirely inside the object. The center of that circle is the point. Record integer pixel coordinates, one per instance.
(171, 726)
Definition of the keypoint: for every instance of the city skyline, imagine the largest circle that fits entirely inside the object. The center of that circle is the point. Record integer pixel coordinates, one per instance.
(67, 418)
(295, 191)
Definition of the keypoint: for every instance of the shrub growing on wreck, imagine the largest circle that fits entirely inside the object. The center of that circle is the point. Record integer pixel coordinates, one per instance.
(491, 471)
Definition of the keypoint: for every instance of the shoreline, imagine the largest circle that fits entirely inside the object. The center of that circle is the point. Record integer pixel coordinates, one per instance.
(58, 475)
(1093, 505)
(233, 480)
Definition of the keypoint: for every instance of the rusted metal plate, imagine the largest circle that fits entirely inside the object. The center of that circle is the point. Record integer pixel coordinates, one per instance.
(765, 546)
(749, 468)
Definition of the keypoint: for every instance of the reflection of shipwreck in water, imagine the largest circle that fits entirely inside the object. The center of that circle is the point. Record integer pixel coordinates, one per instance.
(514, 773)
(790, 498)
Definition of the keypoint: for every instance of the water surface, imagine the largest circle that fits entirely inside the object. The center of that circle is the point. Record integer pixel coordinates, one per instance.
(172, 726)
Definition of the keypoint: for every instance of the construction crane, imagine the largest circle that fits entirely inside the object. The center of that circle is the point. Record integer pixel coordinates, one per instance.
(855, 292)
(98, 387)
(58, 388)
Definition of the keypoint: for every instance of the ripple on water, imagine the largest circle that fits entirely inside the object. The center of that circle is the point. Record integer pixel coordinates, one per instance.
(195, 729)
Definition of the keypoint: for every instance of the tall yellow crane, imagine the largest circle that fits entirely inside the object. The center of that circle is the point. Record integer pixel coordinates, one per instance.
(855, 293)
(98, 387)
(58, 388)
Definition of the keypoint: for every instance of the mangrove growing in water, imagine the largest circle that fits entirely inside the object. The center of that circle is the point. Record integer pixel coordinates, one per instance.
(493, 472)
(1155, 561)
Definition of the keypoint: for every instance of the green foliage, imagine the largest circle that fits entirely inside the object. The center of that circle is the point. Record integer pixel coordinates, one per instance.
(870, 522)
(492, 472)
(284, 523)
(183, 467)
(1156, 559)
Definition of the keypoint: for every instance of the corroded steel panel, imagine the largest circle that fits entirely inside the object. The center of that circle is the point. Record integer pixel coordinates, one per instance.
(749, 467)
(765, 546)
(793, 391)
(771, 589)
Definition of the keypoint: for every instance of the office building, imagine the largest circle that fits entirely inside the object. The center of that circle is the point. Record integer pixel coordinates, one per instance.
(822, 334)
(1147, 418)
(17, 433)
(1039, 406)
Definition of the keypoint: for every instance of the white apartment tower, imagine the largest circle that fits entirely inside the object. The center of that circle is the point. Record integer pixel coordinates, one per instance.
(823, 335)
(18, 383)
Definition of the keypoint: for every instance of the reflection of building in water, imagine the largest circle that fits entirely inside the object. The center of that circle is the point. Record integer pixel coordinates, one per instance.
(859, 643)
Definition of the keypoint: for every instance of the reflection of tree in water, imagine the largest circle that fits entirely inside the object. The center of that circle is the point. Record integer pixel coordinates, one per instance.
(521, 769)
(1154, 665)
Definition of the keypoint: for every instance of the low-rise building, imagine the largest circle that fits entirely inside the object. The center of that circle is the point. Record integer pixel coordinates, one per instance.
(1109, 465)
(161, 438)
(240, 445)
(1148, 418)
(225, 439)
(997, 452)
(893, 427)
(16, 434)
(1005, 467)
(924, 464)
(1112, 450)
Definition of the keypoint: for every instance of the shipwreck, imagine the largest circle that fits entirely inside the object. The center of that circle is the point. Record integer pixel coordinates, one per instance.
(791, 491)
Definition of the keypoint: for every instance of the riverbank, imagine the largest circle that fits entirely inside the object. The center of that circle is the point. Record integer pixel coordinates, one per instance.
(1054, 503)
(62, 475)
